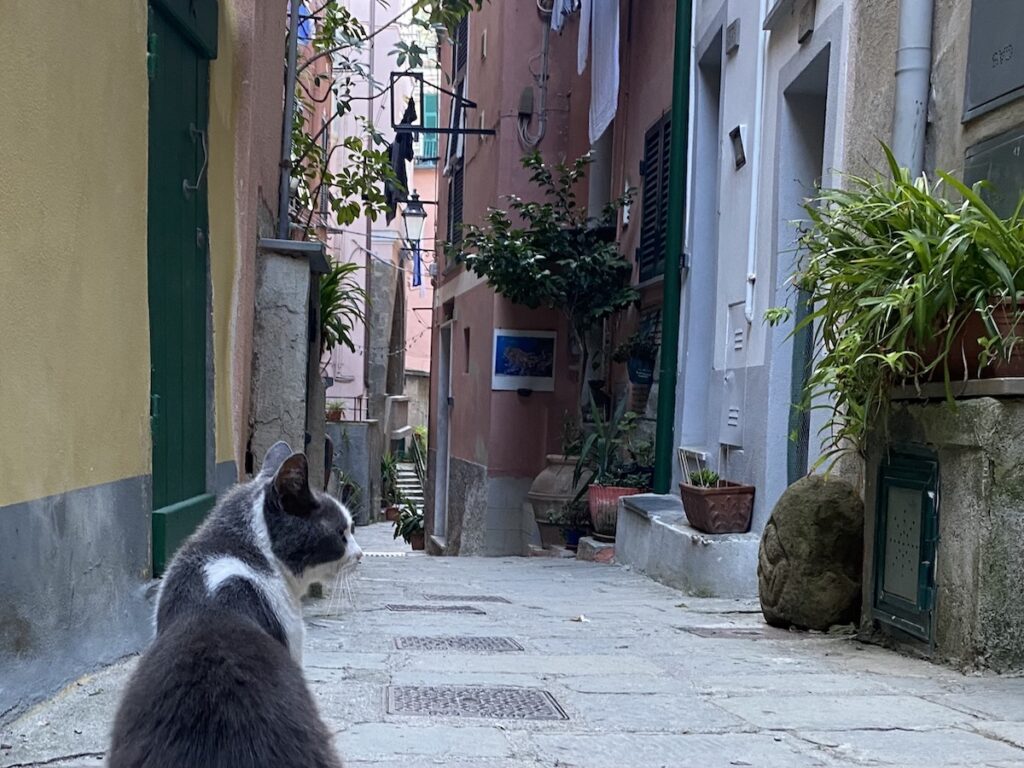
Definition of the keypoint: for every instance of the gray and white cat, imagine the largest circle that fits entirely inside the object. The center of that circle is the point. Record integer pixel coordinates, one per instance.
(222, 683)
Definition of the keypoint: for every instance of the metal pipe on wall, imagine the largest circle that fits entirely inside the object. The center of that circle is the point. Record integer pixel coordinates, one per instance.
(664, 443)
(913, 83)
(284, 189)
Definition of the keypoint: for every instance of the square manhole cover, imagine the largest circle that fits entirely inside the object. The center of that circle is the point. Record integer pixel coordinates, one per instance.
(458, 643)
(434, 609)
(473, 701)
(467, 598)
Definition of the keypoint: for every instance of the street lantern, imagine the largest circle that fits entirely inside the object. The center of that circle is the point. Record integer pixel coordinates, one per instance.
(415, 216)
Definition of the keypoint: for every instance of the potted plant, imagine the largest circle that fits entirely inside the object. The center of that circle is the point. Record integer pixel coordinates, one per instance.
(903, 280)
(602, 456)
(409, 525)
(335, 410)
(390, 496)
(638, 352)
(577, 523)
(713, 505)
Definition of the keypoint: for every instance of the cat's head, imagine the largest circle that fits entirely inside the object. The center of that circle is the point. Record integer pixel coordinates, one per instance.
(310, 532)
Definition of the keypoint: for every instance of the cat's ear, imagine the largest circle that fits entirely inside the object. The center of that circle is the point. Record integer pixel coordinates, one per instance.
(275, 457)
(292, 485)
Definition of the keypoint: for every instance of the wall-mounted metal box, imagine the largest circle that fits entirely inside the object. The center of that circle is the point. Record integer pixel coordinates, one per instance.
(1000, 161)
(995, 59)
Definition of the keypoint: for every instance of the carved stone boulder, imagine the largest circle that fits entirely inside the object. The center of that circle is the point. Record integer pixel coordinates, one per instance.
(811, 557)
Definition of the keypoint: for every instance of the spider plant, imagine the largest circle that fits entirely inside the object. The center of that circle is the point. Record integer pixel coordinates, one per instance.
(342, 305)
(890, 271)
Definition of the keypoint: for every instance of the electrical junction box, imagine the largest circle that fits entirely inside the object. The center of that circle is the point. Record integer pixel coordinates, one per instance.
(999, 161)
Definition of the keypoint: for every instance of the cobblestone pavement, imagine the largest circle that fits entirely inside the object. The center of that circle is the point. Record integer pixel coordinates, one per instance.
(585, 666)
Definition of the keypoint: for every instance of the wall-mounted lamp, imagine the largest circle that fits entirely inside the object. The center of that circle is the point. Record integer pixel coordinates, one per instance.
(415, 217)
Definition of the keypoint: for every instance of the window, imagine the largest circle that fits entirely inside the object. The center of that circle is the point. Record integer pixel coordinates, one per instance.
(454, 165)
(427, 151)
(654, 213)
(455, 194)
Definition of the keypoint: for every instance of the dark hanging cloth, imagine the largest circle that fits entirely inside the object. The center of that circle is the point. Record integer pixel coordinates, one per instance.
(401, 152)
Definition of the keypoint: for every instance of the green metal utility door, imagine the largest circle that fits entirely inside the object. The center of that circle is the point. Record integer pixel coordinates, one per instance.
(179, 55)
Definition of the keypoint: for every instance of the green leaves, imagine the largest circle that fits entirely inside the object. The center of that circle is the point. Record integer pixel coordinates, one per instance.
(892, 269)
(342, 302)
(554, 256)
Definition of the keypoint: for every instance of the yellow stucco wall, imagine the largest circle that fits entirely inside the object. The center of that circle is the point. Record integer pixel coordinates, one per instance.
(74, 319)
(223, 241)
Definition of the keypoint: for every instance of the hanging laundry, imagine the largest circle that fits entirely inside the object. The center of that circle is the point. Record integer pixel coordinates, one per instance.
(584, 38)
(604, 66)
(560, 10)
(400, 152)
(417, 266)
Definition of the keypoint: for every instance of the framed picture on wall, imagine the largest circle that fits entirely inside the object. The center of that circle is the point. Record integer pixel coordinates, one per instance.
(523, 360)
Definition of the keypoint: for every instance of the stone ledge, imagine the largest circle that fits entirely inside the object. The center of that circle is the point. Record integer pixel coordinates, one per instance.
(653, 537)
(593, 551)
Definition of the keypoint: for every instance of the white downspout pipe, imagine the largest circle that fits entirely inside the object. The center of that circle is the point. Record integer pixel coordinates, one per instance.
(913, 82)
(755, 178)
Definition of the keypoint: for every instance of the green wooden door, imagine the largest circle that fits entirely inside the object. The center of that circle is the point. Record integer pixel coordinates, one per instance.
(178, 271)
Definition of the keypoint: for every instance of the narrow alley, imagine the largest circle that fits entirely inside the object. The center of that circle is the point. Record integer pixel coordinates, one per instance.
(572, 664)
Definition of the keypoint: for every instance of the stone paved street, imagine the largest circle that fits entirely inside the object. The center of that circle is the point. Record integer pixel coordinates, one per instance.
(646, 677)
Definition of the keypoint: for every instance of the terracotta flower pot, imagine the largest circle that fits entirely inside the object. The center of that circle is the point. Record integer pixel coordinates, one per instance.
(391, 514)
(604, 506)
(726, 508)
(335, 417)
(965, 351)
(551, 490)
(418, 541)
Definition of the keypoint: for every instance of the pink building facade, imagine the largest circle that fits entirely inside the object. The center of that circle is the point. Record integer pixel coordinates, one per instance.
(488, 445)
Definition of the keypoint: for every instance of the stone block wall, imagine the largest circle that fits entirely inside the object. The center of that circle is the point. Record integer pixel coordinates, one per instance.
(979, 601)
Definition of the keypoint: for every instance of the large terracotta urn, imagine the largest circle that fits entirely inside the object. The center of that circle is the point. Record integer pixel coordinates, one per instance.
(552, 489)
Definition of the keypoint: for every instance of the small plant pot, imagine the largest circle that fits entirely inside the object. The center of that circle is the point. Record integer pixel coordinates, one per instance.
(572, 537)
(726, 508)
(418, 541)
(640, 371)
(604, 507)
(335, 417)
(391, 514)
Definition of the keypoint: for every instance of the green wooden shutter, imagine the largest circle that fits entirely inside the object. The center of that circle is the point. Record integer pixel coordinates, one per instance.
(178, 269)
(654, 200)
(429, 147)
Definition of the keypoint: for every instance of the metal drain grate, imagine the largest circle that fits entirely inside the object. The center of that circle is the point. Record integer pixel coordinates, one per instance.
(452, 701)
(746, 633)
(458, 643)
(434, 609)
(467, 598)
(384, 554)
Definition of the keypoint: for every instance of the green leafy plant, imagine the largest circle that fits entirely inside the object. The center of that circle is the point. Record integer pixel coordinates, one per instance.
(572, 436)
(559, 257)
(891, 270)
(409, 522)
(642, 345)
(704, 478)
(356, 187)
(601, 452)
(342, 303)
(335, 410)
(390, 496)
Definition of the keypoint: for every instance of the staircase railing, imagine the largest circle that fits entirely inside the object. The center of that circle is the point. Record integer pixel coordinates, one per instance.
(419, 461)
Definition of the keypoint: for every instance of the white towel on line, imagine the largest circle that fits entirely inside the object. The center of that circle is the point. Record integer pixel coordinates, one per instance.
(603, 18)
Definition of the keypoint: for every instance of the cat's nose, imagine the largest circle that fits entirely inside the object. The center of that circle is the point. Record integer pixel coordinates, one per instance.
(357, 552)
